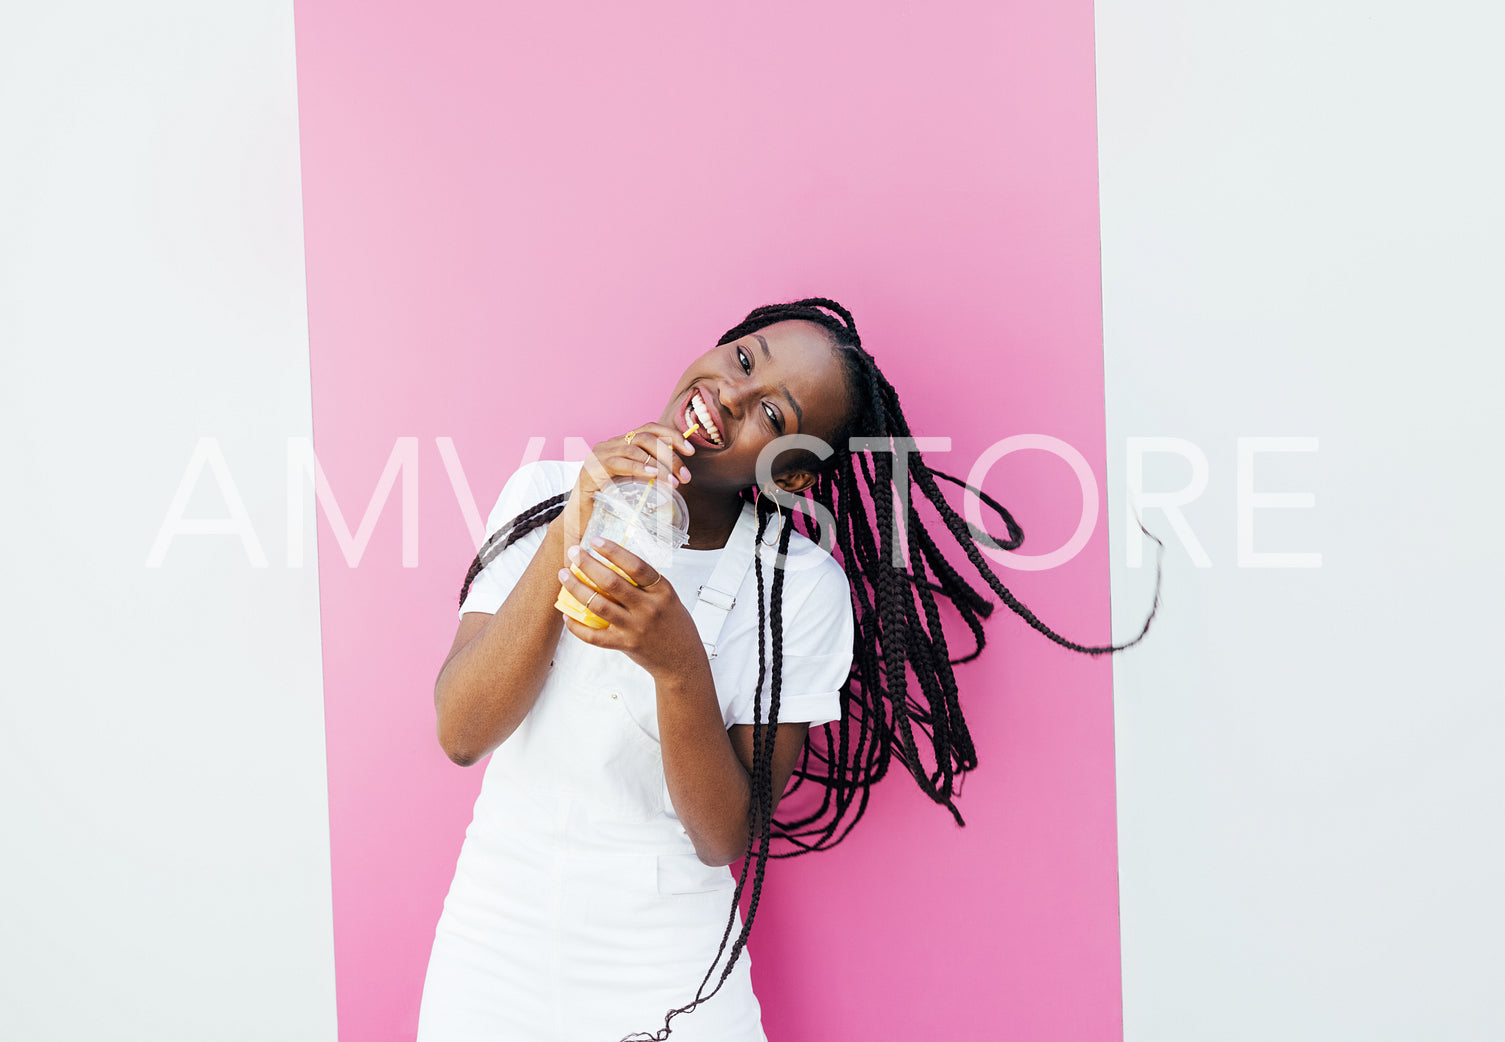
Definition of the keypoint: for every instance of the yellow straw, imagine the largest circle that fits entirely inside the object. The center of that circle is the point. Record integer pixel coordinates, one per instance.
(643, 499)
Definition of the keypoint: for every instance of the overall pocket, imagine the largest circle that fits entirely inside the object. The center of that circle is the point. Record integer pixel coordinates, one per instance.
(687, 874)
(600, 741)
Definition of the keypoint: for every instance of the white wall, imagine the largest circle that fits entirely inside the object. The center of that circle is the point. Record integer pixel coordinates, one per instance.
(1302, 236)
(162, 790)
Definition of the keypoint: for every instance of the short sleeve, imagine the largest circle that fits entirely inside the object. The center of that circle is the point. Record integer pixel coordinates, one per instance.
(531, 484)
(817, 652)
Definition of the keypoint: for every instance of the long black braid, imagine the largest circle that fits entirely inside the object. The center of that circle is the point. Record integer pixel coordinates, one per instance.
(898, 631)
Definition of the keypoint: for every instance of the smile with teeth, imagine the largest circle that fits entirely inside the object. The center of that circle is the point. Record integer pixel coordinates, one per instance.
(697, 412)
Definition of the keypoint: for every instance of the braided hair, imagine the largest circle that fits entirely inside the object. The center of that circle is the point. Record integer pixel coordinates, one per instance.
(897, 635)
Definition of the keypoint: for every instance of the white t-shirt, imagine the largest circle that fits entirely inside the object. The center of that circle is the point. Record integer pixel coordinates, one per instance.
(817, 608)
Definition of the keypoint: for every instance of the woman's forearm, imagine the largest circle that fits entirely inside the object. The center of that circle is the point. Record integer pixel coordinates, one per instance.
(707, 782)
(486, 688)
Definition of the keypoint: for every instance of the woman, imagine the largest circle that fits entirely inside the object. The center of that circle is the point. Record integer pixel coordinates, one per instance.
(632, 764)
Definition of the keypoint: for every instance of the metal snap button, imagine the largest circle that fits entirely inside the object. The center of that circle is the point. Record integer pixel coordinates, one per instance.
(613, 694)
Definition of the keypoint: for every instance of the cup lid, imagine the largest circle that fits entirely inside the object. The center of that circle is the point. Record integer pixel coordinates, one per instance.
(658, 508)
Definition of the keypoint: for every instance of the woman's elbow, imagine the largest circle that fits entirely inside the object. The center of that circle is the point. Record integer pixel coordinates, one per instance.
(454, 738)
(720, 854)
(457, 740)
(466, 739)
(459, 751)
(461, 757)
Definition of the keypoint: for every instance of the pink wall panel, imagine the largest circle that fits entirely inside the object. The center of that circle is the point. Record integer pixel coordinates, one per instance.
(521, 221)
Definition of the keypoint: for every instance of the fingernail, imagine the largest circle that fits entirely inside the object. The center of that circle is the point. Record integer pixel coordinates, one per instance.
(597, 541)
(673, 481)
(573, 553)
(684, 473)
(650, 470)
(564, 573)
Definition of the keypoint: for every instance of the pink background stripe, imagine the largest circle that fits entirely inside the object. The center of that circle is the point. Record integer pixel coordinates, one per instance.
(522, 220)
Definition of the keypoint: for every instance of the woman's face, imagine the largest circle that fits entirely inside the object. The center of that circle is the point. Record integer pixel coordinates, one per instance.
(784, 379)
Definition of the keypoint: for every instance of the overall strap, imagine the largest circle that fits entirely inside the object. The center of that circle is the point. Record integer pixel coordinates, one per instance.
(713, 605)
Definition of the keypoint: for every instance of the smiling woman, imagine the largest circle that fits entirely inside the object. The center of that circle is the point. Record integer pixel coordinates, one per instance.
(631, 764)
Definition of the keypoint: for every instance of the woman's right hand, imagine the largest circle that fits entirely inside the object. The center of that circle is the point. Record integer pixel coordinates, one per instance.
(656, 451)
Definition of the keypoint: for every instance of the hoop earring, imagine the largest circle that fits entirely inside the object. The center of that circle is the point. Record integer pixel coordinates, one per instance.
(777, 510)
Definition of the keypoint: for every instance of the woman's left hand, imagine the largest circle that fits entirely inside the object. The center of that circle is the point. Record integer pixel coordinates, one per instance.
(648, 622)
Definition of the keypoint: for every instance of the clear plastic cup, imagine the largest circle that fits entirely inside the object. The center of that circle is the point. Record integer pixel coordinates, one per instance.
(645, 518)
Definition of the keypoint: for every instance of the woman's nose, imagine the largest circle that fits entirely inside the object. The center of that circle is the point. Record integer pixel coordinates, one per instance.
(734, 399)
(742, 395)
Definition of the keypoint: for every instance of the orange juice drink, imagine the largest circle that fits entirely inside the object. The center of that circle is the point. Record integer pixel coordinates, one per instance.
(645, 518)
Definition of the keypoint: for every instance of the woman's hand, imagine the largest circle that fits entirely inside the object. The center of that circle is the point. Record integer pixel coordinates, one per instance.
(655, 451)
(648, 622)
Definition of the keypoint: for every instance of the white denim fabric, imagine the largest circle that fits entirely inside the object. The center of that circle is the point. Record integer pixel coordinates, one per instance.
(579, 910)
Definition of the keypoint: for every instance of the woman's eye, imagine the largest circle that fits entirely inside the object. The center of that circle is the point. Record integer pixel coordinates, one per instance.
(744, 361)
(773, 416)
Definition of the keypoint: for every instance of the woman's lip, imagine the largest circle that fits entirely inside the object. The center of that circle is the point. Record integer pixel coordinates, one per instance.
(699, 438)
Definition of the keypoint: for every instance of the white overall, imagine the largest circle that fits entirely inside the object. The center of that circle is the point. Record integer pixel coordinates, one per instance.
(579, 911)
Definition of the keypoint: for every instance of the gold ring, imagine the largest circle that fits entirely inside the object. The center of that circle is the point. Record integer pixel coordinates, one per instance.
(650, 586)
(632, 434)
(591, 598)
